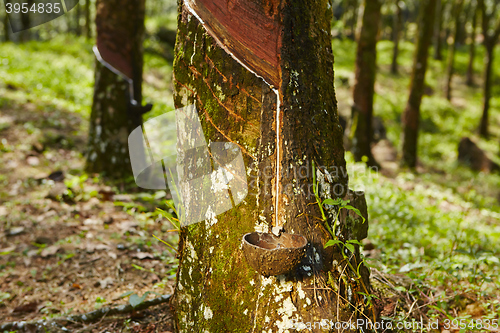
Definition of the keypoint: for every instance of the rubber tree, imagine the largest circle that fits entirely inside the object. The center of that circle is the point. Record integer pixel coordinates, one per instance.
(452, 45)
(120, 30)
(472, 44)
(438, 29)
(6, 27)
(491, 33)
(364, 86)
(397, 26)
(411, 114)
(264, 82)
(88, 27)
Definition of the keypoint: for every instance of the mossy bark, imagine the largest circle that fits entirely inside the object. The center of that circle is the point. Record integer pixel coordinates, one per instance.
(411, 115)
(364, 87)
(216, 290)
(120, 25)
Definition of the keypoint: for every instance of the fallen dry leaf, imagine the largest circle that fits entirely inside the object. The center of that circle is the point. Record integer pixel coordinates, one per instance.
(8, 249)
(50, 251)
(30, 307)
(142, 255)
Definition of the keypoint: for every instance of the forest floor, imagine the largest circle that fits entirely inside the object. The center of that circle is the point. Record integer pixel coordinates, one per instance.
(71, 242)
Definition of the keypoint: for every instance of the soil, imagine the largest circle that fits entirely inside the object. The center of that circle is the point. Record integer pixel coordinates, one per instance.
(69, 243)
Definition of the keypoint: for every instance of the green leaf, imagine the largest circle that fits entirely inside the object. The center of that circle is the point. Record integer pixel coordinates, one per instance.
(135, 300)
(331, 202)
(354, 241)
(128, 293)
(350, 247)
(356, 211)
(332, 242)
(138, 267)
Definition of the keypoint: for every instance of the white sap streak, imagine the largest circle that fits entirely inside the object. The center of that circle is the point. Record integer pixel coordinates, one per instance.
(278, 105)
(278, 164)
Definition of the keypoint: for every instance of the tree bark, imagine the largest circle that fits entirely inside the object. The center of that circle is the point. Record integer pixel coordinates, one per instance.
(438, 27)
(6, 28)
(396, 32)
(120, 30)
(411, 114)
(216, 290)
(488, 73)
(457, 12)
(472, 48)
(88, 27)
(25, 34)
(364, 87)
(489, 40)
(78, 14)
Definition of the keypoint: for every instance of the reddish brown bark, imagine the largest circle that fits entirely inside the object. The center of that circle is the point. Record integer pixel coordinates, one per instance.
(411, 115)
(253, 36)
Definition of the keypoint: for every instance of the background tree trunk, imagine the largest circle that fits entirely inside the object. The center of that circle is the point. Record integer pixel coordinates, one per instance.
(88, 23)
(488, 73)
(364, 86)
(457, 14)
(120, 27)
(489, 40)
(216, 289)
(25, 34)
(411, 114)
(472, 47)
(6, 27)
(78, 14)
(396, 32)
(438, 27)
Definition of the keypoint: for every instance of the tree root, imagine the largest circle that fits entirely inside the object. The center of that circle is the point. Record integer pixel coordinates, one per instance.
(58, 323)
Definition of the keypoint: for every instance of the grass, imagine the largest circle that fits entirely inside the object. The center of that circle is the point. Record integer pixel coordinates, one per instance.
(441, 227)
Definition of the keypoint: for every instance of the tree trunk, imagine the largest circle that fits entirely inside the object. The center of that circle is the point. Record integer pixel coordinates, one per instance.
(457, 12)
(88, 27)
(120, 30)
(411, 114)
(6, 27)
(472, 48)
(233, 71)
(78, 14)
(351, 18)
(438, 26)
(25, 34)
(364, 87)
(396, 32)
(488, 73)
(489, 40)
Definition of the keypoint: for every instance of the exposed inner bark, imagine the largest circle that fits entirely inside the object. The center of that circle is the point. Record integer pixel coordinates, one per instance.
(251, 34)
